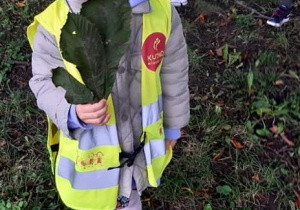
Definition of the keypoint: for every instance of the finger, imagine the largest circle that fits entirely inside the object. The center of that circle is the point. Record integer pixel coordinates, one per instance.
(101, 121)
(97, 121)
(90, 108)
(95, 115)
(106, 119)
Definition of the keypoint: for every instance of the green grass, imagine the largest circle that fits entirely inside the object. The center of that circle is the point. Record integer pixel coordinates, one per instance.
(25, 178)
(13, 41)
(261, 174)
(226, 107)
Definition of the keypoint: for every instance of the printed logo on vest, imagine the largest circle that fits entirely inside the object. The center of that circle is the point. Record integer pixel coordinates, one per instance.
(153, 50)
(93, 160)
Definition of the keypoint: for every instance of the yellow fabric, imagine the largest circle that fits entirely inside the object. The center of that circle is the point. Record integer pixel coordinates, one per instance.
(155, 130)
(53, 22)
(151, 87)
(158, 166)
(53, 139)
(107, 154)
(102, 199)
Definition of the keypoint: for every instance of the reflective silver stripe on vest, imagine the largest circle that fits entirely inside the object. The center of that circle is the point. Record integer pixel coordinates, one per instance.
(153, 149)
(151, 113)
(158, 181)
(87, 180)
(98, 136)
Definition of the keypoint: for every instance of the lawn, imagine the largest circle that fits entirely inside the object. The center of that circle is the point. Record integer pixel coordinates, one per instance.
(241, 149)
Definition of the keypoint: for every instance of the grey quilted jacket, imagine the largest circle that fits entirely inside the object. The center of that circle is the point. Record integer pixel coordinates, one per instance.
(126, 91)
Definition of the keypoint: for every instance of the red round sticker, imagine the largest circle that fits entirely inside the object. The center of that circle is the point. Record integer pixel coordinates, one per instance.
(153, 50)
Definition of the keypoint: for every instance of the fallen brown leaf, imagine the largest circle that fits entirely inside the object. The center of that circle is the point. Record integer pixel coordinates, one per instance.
(219, 51)
(219, 155)
(274, 129)
(278, 82)
(287, 141)
(228, 19)
(201, 18)
(297, 203)
(229, 16)
(21, 3)
(236, 144)
(255, 177)
(211, 53)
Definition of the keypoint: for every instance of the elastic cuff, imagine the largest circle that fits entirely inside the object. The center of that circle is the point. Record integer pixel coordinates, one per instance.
(74, 122)
(172, 134)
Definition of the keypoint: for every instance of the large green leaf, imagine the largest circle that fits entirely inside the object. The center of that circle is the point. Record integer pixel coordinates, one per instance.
(112, 18)
(95, 40)
(82, 45)
(77, 93)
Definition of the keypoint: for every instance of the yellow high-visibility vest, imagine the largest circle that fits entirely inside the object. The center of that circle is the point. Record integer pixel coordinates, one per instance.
(81, 169)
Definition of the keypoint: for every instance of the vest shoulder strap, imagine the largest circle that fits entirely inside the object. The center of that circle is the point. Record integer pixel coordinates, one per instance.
(52, 19)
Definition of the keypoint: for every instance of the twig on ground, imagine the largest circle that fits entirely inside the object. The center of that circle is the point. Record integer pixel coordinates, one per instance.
(242, 4)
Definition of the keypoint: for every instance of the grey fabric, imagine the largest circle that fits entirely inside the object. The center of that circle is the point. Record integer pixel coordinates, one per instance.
(288, 3)
(126, 92)
(75, 5)
(174, 78)
(50, 99)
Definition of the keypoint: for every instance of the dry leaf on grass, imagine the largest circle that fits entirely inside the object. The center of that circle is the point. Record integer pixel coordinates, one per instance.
(228, 19)
(219, 51)
(274, 129)
(21, 3)
(255, 177)
(297, 203)
(236, 144)
(201, 18)
(278, 82)
(219, 155)
(287, 141)
(211, 53)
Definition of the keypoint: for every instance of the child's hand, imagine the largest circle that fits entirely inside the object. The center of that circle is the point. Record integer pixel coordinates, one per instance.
(170, 143)
(93, 114)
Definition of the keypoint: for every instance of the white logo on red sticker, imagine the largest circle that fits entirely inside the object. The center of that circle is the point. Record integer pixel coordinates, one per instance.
(153, 50)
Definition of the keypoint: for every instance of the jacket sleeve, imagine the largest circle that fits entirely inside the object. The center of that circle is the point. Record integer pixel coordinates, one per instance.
(45, 57)
(174, 78)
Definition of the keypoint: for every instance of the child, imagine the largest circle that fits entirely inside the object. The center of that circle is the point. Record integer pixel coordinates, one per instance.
(281, 15)
(138, 124)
